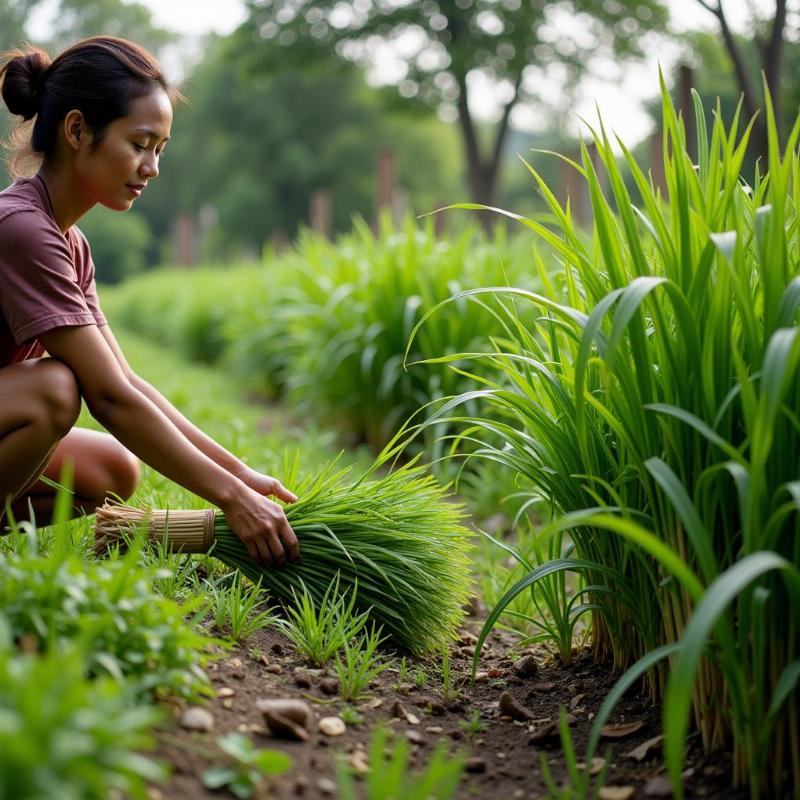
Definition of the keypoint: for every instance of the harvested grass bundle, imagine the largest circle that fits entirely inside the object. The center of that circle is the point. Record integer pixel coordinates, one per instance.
(397, 541)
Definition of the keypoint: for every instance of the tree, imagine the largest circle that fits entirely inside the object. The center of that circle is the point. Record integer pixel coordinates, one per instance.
(769, 36)
(80, 18)
(13, 16)
(445, 44)
(254, 148)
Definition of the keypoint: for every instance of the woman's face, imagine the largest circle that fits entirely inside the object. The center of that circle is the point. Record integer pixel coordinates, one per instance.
(118, 170)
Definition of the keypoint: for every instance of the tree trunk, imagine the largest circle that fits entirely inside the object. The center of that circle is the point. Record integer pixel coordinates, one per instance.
(483, 173)
(771, 53)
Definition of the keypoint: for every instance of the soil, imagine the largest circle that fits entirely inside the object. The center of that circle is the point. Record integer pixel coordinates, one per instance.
(505, 754)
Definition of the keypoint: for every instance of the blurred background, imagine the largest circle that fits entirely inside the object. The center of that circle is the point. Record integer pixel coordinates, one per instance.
(304, 114)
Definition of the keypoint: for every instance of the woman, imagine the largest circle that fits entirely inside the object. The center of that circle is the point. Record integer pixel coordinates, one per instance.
(102, 114)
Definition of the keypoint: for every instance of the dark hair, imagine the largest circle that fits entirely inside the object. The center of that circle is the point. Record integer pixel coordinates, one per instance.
(100, 77)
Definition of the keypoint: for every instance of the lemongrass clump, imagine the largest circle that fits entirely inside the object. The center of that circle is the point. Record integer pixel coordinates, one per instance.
(397, 541)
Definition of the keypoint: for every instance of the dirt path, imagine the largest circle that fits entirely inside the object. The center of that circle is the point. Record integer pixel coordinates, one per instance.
(504, 754)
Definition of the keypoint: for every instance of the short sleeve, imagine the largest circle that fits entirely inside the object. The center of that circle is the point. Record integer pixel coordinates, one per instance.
(39, 284)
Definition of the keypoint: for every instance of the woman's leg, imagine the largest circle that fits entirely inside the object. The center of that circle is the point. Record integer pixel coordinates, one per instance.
(39, 404)
(102, 468)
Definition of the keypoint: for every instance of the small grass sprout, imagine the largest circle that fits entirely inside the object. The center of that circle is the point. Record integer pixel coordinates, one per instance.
(449, 690)
(420, 678)
(389, 774)
(473, 726)
(359, 663)
(402, 672)
(246, 766)
(351, 716)
(318, 630)
(236, 608)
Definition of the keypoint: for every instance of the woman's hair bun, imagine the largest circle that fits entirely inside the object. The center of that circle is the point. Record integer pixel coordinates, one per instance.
(23, 75)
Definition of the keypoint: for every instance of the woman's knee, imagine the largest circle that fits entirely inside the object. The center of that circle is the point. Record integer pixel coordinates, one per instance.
(125, 471)
(115, 471)
(58, 395)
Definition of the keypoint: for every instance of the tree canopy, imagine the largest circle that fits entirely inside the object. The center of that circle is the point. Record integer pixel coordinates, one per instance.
(442, 44)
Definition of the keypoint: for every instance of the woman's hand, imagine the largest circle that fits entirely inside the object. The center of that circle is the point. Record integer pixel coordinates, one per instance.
(266, 485)
(261, 524)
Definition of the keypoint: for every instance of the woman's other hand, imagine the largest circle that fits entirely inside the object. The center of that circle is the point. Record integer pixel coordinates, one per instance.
(266, 485)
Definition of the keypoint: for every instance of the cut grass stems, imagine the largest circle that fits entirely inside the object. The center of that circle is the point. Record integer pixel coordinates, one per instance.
(396, 542)
(656, 406)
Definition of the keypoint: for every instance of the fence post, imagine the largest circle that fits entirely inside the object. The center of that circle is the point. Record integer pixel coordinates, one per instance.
(185, 238)
(321, 212)
(384, 195)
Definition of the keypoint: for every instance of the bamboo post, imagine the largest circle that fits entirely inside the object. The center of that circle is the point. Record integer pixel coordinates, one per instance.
(321, 212)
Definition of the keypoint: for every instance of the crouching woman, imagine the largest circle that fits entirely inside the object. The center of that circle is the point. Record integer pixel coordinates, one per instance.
(101, 115)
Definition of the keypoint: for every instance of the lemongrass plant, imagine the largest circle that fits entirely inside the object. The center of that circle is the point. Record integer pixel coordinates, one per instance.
(655, 406)
(396, 543)
(349, 308)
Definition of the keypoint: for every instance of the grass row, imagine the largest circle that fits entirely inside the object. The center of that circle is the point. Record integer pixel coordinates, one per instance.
(654, 406)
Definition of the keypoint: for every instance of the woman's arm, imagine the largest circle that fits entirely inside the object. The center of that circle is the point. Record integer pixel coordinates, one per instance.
(136, 421)
(264, 484)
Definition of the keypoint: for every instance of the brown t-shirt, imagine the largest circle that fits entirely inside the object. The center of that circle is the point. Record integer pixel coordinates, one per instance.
(46, 276)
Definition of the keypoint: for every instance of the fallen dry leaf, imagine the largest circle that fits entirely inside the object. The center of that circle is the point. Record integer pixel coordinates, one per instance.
(358, 762)
(621, 730)
(596, 766)
(640, 753)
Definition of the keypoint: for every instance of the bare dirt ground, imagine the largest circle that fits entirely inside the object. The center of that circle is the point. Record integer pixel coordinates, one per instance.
(504, 754)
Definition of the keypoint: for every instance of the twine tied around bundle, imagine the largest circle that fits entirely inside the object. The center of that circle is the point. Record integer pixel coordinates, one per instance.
(185, 531)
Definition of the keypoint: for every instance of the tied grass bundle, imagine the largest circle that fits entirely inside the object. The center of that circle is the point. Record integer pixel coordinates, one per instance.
(397, 541)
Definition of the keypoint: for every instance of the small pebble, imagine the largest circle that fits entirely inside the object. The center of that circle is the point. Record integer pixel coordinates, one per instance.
(434, 729)
(616, 793)
(326, 786)
(415, 737)
(659, 786)
(197, 719)
(329, 686)
(332, 726)
(547, 733)
(225, 691)
(511, 707)
(436, 707)
(275, 669)
(302, 680)
(227, 703)
(526, 667)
